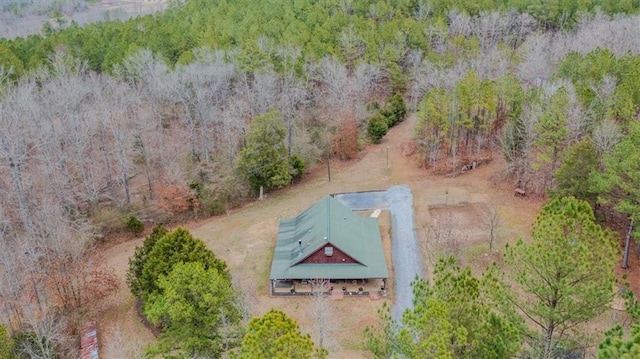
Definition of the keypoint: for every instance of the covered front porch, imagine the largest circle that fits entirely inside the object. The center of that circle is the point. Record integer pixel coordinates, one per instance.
(348, 287)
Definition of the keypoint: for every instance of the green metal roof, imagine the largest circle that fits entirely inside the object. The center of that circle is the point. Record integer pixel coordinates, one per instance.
(328, 222)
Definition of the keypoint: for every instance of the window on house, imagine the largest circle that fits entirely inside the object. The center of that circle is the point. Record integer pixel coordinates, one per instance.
(328, 251)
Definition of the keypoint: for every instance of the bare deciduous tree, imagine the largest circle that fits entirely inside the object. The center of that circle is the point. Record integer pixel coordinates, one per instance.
(45, 337)
(323, 314)
(121, 345)
(443, 238)
(493, 224)
(15, 148)
(537, 65)
(343, 95)
(606, 135)
(352, 46)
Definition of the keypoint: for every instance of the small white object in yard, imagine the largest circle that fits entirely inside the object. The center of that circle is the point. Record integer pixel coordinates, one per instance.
(376, 213)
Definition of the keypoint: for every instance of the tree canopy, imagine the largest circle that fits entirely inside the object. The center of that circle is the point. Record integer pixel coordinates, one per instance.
(455, 317)
(137, 262)
(276, 335)
(565, 274)
(160, 252)
(6, 343)
(264, 160)
(619, 183)
(186, 291)
(616, 346)
(197, 309)
(178, 246)
(579, 162)
(354, 30)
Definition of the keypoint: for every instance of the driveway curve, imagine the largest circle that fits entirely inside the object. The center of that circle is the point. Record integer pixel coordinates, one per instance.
(405, 251)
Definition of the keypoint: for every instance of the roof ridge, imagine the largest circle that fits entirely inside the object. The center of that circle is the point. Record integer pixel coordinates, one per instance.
(304, 235)
(328, 220)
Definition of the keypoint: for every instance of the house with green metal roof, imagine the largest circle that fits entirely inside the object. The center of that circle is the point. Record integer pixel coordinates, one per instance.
(328, 241)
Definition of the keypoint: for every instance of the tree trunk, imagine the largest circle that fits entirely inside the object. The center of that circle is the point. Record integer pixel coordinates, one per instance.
(125, 183)
(289, 137)
(16, 178)
(147, 168)
(548, 342)
(107, 163)
(627, 245)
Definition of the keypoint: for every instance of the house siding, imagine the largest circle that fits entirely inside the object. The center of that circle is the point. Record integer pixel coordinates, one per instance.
(337, 257)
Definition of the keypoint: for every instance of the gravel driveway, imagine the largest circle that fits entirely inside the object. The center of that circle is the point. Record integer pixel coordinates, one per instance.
(405, 252)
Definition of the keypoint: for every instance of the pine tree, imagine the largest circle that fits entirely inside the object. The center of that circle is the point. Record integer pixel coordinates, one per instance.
(396, 108)
(173, 248)
(456, 317)
(565, 274)
(467, 100)
(277, 336)
(137, 262)
(619, 184)
(552, 133)
(197, 310)
(377, 127)
(615, 346)
(264, 160)
(434, 122)
(580, 161)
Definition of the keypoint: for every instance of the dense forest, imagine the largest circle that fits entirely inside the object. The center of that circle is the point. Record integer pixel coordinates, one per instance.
(192, 111)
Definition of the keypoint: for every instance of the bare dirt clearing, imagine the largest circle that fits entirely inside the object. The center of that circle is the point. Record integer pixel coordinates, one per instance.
(245, 238)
